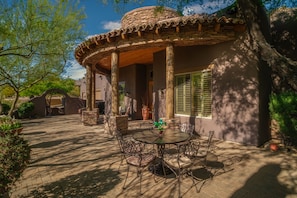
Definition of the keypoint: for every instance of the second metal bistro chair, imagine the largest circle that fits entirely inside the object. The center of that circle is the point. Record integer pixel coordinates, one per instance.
(179, 164)
(135, 155)
(198, 150)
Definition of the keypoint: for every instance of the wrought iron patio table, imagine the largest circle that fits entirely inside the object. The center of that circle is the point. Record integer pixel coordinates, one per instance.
(169, 136)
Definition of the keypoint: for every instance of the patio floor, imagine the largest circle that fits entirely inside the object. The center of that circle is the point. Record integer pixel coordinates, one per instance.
(73, 160)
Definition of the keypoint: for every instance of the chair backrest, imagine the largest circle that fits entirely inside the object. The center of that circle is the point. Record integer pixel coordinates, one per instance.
(128, 147)
(210, 136)
(187, 128)
(198, 148)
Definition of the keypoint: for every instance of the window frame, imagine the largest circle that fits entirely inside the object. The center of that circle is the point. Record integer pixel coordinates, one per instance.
(183, 93)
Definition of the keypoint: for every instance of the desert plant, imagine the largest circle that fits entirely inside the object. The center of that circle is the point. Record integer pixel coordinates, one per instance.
(283, 108)
(8, 124)
(14, 158)
(25, 109)
(5, 109)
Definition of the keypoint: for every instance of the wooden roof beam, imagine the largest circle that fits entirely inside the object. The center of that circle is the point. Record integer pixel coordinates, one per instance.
(139, 33)
(96, 41)
(124, 36)
(157, 31)
(108, 39)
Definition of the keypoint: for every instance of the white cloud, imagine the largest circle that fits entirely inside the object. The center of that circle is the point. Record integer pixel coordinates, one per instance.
(75, 70)
(207, 7)
(111, 25)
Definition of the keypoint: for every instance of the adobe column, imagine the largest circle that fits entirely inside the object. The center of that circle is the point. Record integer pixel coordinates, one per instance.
(89, 86)
(114, 83)
(94, 90)
(169, 82)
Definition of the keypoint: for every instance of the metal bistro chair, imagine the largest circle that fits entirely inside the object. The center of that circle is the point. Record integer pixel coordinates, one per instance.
(198, 150)
(179, 164)
(136, 156)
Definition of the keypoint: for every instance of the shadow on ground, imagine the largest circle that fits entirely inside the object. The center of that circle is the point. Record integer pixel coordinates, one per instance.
(261, 183)
(87, 184)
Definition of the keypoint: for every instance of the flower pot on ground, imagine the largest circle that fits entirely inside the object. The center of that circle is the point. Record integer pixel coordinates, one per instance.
(145, 112)
(273, 147)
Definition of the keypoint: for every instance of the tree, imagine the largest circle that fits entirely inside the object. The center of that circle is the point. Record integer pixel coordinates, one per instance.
(284, 70)
(67, 85)
(37, 37)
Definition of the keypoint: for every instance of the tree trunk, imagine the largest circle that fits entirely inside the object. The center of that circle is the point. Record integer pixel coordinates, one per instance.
(13, 105)
(284, 70)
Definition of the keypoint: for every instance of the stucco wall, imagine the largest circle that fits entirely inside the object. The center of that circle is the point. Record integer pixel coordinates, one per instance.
(235, 89)
(159, 95)
(147, 15)
(134, 77)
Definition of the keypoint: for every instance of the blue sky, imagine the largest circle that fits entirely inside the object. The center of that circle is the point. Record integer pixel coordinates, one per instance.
(102, 18)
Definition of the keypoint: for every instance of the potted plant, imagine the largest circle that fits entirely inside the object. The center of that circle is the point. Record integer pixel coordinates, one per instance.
(160, 126)
(145, 112)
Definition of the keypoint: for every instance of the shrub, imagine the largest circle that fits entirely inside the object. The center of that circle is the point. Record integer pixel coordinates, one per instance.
(14, 157)
(283, 108)
(5, 109)
(25, 109)
(8, 124)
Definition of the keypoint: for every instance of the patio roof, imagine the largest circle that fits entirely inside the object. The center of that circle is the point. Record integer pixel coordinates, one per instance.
(137, 42)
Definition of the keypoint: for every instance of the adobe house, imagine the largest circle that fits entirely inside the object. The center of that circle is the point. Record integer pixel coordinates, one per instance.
(181, 67)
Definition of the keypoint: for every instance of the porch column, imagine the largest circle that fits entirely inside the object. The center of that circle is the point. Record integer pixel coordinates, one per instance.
(93, 90)
(115, 83)
(89, 104)
(169, 82)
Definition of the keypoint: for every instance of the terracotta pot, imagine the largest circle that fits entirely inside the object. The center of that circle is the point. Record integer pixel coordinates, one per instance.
(273, 147)
(145, 113)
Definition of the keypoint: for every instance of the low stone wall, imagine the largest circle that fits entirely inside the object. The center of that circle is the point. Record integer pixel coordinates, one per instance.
(90, 117)
(116, 123)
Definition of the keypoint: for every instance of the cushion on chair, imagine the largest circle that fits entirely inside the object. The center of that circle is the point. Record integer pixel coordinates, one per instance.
(142, 161)
(181, 162)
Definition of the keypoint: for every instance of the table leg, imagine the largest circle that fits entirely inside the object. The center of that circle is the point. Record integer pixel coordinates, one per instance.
(160, 168)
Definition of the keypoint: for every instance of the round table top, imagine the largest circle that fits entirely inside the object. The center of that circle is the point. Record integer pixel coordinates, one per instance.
(169, 136)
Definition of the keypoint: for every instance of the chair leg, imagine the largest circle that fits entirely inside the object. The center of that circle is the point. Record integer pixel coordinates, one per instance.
(164, 171)
(140, 179)
(128, 169)
(178, 183)
(122, 160)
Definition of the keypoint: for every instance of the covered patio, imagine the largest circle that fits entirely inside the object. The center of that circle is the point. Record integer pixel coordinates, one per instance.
(145, 32)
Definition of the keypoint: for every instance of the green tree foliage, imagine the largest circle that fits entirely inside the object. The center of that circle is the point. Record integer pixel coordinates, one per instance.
(283, 108)
(37, 37)
(67, 85)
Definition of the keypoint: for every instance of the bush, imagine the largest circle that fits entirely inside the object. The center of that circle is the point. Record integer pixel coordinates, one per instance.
(283, 108)
(5, 109)
(25, 109)
(14, 157)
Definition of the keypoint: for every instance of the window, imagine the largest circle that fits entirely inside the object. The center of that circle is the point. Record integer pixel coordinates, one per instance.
(193, 94)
